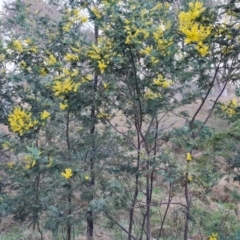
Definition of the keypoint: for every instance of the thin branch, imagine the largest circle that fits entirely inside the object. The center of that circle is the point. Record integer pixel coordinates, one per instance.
(122, 133)
(206, 96)
(120, 226)
(67, 132)
(165, 213)
(211, 110)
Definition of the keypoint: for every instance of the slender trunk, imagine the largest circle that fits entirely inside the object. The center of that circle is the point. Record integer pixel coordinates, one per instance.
(132, 208)
(35, 210)
(131, 213)
(166, 211)
(69, 226)
(187, 216)
(36, 188)
(148, 203)
(90, 223)
(143, 226)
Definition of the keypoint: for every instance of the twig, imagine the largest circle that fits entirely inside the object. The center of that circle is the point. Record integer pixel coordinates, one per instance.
(165, 214)
(120, 226)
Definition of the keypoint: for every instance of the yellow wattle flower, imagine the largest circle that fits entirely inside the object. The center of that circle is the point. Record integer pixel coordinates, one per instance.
(6, 145)
(189, 156)
(17, 45)
(214, 236)
(194, 31)
(147, 50)
(2, 57)
(102, 66)
(67, 27)
(63, 87)
(96, 12)
(67, 173)
(230, 107)
(42, 72)
(71, 57)
(45, 114)
(105, 86)
(102, 115)
(28, 41)
(51, 60)
(63, 106)
(30, 162)
(190, 178)
(10, 165)
(21, 121)
(234, 102)
(151, 95)
(84, 19)
(166, 84)
(50, 162)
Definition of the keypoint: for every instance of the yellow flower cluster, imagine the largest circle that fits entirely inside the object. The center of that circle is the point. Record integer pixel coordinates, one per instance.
(44, 115)
(146, 29)
(133, 33)
(150, 95)
(42, 71)
(161, 81)
(102, 115)
(67, 173)
(10, 165)
(102, 66)
(194, 31)
(159, 6)
(51, 60)
(101, 55)
(50, 162)
(188, 156)
(67, 27)
(95, 52)
(28, 41)
(63, 106)
(17, 46)
(158, 36)
(71, 57)
(30, 162)
(214, 236)
(21, 121)
(190, 178)
(73, 16)
(6, 145)
(64, 87)
(96, 12)
(105, 86)
(2, 57)
(68, 73)
(76, 49)
(23, 65)
(230, 108)
(68, 81)
(147, 50)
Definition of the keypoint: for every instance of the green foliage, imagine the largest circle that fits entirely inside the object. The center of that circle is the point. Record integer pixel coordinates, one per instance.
(90, 114)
